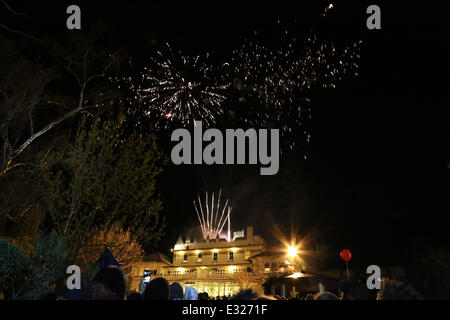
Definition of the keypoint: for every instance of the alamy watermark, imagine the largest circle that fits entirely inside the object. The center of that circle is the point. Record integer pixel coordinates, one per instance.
(235, 147)
(74, 280)
(374, 280)
(374, 20)
(74, 20)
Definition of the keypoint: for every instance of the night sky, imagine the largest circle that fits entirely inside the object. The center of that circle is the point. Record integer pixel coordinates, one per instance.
(376, 174)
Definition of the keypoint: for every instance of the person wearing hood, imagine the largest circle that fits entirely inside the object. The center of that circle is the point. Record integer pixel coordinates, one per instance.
(190, 293)
(108, 284)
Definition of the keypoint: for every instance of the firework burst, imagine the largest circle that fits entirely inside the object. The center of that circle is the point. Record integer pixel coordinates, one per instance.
(258, 86)
(275, 83)
(179, 88)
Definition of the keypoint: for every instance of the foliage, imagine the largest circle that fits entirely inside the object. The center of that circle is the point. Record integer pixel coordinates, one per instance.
(102, 181)
(20, 213)
(45, 83)
(121, 243)
(12, 262)
(245, 279)
(105, 179)
(32, 276)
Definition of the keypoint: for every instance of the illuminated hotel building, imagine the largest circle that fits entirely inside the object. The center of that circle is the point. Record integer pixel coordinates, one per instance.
(218, 267)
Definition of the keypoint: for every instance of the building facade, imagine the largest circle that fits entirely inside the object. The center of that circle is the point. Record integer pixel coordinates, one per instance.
(218, 267)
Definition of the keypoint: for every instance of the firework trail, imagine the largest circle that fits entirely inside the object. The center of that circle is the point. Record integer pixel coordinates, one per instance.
(212, 216)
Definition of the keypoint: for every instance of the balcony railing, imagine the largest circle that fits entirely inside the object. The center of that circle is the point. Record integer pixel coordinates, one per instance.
(197, 276)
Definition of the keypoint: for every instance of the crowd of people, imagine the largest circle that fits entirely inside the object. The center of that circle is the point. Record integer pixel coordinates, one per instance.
(110, 284)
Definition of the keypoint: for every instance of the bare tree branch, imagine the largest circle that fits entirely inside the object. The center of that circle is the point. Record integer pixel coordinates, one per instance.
(20, 215)
(11, 10)
(10, 154)
(19, 32)
(31, 123)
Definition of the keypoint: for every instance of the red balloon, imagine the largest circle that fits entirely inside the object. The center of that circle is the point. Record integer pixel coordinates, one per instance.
(346, 255)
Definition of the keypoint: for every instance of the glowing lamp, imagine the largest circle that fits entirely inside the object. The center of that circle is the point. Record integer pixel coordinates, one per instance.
(292, 251)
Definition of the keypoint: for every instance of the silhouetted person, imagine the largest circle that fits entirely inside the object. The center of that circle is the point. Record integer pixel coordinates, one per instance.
(176, 291)
(98, 291)
(309, 296)
(397, 290)
(108, 284)
(203, 296)
(248, 294)
(325, 296)
(157, 289)
(353, 290)
(135, 296)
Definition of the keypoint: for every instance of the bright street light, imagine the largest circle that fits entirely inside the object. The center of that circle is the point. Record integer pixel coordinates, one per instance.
(292, 251)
